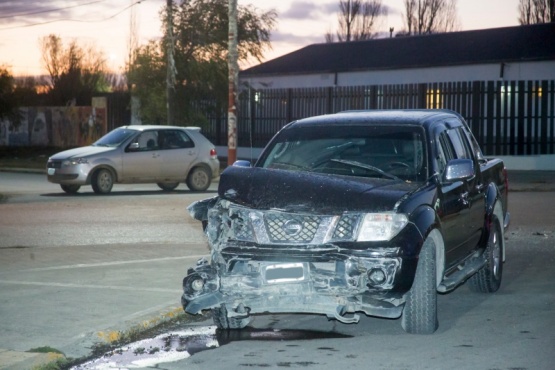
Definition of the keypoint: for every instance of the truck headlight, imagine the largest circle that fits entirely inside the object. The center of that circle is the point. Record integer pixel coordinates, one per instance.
(381, 226)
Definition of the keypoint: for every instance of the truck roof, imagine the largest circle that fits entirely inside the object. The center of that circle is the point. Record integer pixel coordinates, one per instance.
(422, 117)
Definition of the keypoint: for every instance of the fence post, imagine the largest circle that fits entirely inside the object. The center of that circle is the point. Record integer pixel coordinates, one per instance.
(289, 105)
(543, 117)
(252, 109)
(422, 92)
(490, 129)
(476, 125)
(330, 101)
(520, 135)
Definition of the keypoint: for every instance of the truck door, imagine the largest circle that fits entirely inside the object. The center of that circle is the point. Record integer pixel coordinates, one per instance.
(461, 202)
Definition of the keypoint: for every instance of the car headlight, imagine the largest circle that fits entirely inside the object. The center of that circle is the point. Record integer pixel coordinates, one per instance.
(381, 226)
(74, 161)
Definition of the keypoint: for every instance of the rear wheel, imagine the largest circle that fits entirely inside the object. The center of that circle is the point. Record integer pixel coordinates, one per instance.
(223, 321)
(488, 279)
(420, 312)
(102, 181)
(167, 186)
(198, 179)
(70, 189)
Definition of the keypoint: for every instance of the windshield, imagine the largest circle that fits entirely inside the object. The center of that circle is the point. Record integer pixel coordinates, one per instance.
(115, 138)
(385, 151)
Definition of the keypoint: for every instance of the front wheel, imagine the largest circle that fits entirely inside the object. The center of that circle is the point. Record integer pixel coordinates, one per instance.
(223, 321)
(198, 179)
(488, 279)
(102, 181)
(420, 312)
(70, 189)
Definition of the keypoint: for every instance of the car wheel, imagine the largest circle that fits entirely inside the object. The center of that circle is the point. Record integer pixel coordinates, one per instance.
(488, 279)
(167, 186)
(102, 181)
(198, 179)
(70, 189)
(420, 311)
(223, 321)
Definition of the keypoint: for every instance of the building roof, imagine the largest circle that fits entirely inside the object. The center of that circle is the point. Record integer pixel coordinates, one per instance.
(496, 45)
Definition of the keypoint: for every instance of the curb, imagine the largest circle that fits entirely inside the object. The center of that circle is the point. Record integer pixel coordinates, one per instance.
(101, 341)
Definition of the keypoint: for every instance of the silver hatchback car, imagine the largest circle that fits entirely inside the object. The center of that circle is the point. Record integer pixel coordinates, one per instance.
(164, 155)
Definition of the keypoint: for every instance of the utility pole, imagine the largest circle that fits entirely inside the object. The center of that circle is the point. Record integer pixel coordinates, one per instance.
(171, 72)
(233, 73)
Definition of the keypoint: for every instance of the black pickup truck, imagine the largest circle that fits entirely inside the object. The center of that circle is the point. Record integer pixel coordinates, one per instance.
(364, 211)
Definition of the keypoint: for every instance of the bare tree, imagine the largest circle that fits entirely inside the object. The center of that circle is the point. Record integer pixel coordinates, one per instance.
(357, 20)
(430, 16)
(75, 72)
(536, 11)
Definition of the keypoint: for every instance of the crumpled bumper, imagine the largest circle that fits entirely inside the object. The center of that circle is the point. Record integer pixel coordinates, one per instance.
(331, 289)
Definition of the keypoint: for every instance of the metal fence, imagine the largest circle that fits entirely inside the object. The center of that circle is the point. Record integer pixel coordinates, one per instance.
(507, 117)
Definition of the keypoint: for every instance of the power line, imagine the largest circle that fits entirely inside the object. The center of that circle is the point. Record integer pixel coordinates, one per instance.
(50, 10)
(74, 20)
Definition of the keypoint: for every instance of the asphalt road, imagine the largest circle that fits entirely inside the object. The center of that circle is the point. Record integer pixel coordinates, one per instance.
(74, 268)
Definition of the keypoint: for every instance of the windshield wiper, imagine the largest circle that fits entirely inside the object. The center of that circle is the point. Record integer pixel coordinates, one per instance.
(366, 167)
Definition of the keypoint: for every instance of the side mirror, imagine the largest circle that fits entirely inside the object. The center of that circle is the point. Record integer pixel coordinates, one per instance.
(242, 163)
(133, 147)
(459, 169)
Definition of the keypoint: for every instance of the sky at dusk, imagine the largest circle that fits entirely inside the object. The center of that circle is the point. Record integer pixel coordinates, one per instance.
(106, 24)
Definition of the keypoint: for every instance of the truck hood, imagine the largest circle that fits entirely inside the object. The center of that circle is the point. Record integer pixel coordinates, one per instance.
(296, 191)
(83, 151)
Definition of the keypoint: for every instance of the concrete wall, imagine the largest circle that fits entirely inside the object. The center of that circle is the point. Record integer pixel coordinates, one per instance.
(62, 127)
(530, 162)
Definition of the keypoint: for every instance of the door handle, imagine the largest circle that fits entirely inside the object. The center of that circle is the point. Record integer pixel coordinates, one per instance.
(464, 199)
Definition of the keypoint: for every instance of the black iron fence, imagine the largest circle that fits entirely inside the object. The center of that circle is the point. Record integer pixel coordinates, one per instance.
(507, 117)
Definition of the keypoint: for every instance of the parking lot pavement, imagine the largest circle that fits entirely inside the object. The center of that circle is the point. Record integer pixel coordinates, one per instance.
(143, 292)
(531, 180)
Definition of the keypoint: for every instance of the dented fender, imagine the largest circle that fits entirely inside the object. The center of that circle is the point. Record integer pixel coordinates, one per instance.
(199, 209)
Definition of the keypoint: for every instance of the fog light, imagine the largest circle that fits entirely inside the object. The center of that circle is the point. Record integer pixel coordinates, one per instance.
(376, 276)
(197, 284)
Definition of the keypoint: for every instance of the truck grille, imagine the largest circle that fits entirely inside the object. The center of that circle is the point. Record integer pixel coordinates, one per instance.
(275, 227)
(283, 227)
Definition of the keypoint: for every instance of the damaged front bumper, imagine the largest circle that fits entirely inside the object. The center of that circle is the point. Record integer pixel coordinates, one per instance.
(334, 289)
(336, 278)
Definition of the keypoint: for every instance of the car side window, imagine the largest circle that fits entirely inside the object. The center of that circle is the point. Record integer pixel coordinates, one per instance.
(459, 144)
(174, 139)
(147, 141)
(475, 148)
(444, 151)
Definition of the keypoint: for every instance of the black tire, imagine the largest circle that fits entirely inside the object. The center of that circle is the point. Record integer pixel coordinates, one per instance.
(198, 179)
(168, 186)
(488, 279)
(223, 321)
(70, 189)
(102, 181)
(420, 311)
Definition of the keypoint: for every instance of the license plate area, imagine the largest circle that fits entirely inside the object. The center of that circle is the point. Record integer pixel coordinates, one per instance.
(284, 273)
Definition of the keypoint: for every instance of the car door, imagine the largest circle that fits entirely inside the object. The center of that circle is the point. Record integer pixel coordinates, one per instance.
(141, 160)
(177, 154)
(459, 208)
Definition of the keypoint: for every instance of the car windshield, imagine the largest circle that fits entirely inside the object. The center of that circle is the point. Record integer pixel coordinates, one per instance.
(115, 138)
(385, 151)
